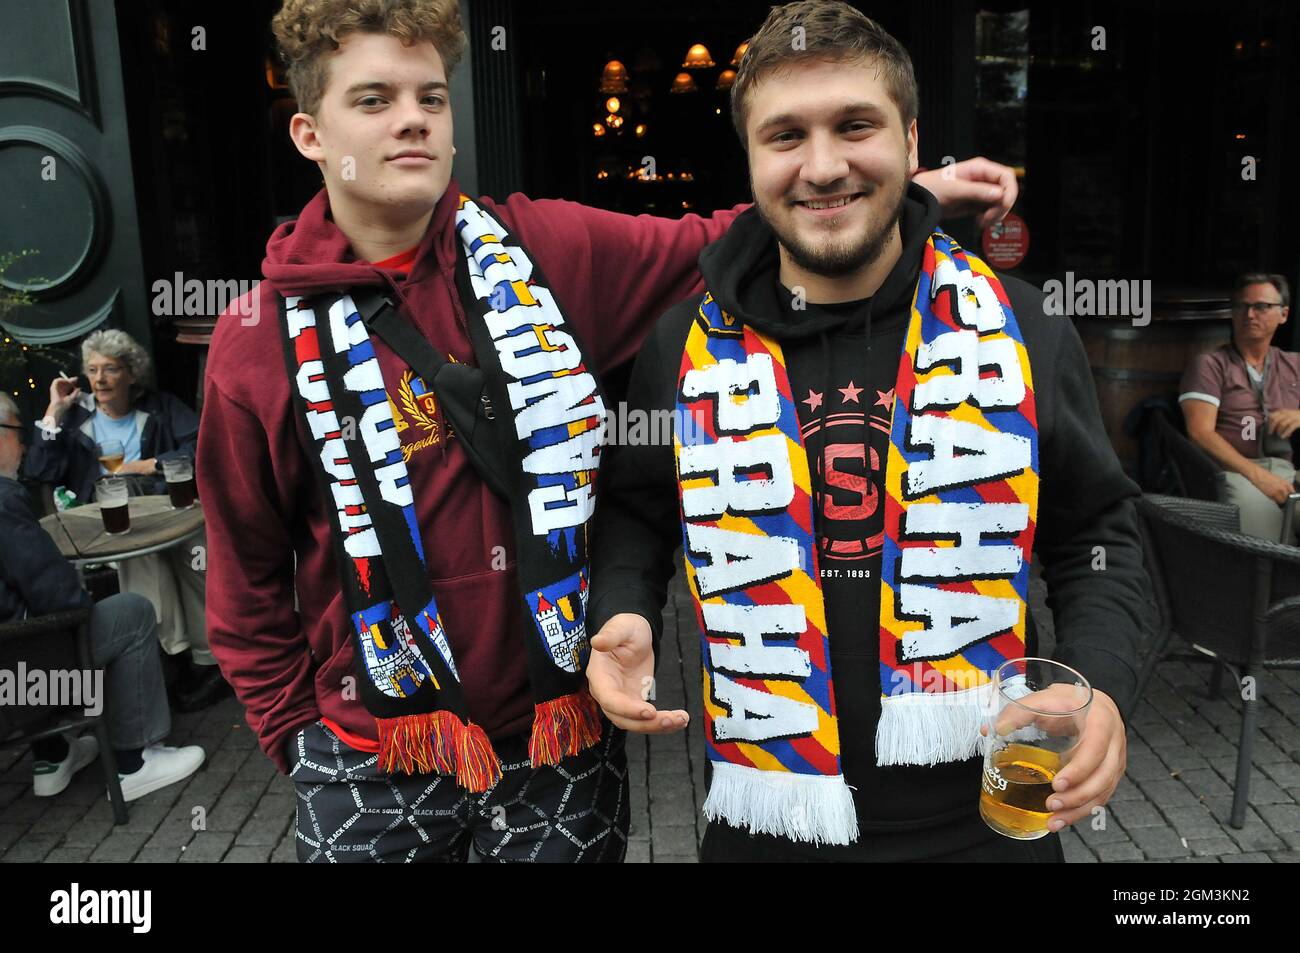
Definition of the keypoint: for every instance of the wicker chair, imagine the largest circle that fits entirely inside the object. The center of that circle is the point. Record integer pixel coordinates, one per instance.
(1234, 599)
(1195, 471)
(59, 641)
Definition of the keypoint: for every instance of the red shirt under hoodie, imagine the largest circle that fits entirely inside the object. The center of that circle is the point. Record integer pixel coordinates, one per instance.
(612, 274)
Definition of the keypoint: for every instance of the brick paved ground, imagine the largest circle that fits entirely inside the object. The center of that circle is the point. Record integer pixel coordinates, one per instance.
(1173, 805)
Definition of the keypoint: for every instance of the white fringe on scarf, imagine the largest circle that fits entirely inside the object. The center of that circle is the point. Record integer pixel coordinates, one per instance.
(814, 808)
(932, 728)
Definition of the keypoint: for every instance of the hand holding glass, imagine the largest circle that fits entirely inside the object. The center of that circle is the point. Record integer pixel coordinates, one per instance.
(1035, 717)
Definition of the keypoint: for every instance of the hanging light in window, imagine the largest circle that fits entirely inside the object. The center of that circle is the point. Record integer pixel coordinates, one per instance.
(726, 78)
(698, 57)
(740, 53)
(683, 83)
(613, 79)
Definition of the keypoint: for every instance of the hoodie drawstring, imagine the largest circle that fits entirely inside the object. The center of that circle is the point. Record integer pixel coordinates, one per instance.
(819, 520)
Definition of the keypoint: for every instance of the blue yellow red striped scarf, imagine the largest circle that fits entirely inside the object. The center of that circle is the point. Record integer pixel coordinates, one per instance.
(962, 493)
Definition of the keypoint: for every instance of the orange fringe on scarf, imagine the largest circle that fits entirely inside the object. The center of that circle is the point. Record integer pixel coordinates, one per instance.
(563, 726)
(438, 743)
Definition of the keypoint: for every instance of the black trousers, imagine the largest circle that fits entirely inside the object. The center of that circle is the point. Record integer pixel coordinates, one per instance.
(348, 811)
(958, 842)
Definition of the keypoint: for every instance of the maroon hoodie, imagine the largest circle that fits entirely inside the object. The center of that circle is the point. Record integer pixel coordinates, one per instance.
(612, 274)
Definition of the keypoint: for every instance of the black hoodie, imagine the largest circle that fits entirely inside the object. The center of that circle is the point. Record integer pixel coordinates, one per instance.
(843, 361)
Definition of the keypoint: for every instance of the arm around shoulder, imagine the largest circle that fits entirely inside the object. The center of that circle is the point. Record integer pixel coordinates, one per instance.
(614, 273)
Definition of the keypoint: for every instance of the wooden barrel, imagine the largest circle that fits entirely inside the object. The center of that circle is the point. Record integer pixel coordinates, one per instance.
(1131, 363)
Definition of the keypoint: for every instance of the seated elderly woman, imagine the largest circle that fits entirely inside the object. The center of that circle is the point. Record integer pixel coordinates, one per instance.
(152, 427)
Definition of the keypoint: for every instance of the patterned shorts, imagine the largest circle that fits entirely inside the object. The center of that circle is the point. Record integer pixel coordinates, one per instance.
(348, 811)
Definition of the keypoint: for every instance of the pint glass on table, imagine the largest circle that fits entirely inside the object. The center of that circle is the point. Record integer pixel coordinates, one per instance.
(113, 497)
(1036, 713)
(179, 475)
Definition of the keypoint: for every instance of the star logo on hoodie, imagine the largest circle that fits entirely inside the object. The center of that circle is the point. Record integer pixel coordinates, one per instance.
(813, 400)
(885, 399)
(850, 393)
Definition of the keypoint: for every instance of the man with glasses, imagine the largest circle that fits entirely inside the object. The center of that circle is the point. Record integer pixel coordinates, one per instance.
(1241, 402)
(36, 580)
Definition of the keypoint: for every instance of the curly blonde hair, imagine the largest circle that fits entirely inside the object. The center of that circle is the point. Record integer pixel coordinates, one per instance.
(307, 30)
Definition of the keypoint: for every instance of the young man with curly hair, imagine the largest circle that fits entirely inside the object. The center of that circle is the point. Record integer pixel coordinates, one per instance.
(400, 605)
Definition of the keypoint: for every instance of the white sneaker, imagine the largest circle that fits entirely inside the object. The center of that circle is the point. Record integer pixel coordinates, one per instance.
(162, 766)
(49, 778)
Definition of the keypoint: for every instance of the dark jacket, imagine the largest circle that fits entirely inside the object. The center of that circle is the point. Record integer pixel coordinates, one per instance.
(168, 429)
(35, 579)
(843, 390)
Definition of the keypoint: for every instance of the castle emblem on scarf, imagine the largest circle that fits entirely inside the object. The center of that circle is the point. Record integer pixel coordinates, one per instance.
(392, 658)
(560, 611)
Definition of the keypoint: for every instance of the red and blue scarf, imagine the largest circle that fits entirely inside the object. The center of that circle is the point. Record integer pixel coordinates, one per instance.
(552, 423)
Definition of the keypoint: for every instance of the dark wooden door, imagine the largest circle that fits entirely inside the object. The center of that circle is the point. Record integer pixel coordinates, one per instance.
(66, 188)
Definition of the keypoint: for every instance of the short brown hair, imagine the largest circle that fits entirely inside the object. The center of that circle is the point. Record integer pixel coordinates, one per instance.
(1261, 278)
(832, 31)
(307, 30)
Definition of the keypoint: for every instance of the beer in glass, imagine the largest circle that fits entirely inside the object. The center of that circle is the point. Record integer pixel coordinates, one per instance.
(111, 454)
(1036, 713)
(113, 498)
(180, 482)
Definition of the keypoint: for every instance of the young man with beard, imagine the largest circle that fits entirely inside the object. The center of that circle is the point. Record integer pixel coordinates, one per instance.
(874, 432)
(407, 642)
